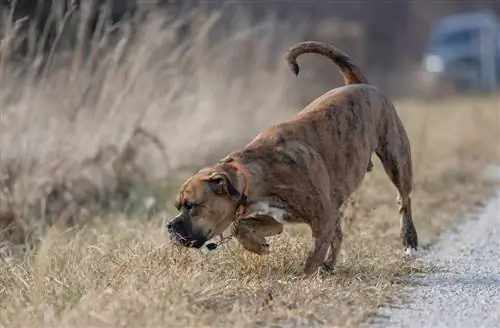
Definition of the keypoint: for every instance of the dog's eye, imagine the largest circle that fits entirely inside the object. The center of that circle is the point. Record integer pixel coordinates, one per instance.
(217, 180)
(189, 206)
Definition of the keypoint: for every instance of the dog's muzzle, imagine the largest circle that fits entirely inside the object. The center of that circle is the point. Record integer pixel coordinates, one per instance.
(181, 234)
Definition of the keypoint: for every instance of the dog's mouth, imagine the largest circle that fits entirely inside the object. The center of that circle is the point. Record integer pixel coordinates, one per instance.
(186, 240)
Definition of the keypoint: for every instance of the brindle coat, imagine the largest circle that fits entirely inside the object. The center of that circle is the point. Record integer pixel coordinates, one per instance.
(303, 170)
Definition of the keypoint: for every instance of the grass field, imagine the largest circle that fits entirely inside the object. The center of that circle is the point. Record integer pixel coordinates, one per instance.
(116, 270)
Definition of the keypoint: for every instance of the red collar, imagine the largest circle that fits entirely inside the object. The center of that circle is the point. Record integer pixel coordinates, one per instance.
(240, 167)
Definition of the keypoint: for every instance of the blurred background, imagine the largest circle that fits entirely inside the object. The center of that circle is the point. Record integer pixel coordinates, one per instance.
(455, 42)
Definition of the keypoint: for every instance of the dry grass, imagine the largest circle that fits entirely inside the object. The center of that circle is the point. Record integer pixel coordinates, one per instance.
(200, 101)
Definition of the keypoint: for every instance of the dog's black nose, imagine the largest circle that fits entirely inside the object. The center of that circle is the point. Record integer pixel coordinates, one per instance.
(175, 225)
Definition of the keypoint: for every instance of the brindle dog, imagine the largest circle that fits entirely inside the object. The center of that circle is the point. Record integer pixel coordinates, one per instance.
(302, 170)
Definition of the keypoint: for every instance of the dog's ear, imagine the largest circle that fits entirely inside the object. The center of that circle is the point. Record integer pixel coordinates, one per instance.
(221, 185)
(178, 202)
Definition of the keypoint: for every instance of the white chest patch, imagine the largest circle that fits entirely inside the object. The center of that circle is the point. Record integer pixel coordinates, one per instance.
(277, 214)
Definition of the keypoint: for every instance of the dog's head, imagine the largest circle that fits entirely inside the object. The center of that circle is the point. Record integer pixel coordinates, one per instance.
(207, 203)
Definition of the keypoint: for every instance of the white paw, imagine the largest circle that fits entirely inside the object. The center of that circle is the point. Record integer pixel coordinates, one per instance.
(343, 256)
(411, 252)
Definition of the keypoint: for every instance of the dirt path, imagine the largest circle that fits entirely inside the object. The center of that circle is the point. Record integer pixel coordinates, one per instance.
(466, 292)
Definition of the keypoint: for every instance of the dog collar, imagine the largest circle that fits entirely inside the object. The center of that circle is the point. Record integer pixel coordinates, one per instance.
(246, 177)
(242, 201)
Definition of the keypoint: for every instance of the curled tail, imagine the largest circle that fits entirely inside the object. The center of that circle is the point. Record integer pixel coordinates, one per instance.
(350, 72)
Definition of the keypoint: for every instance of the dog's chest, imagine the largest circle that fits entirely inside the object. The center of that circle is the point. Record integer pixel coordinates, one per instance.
(264, 208)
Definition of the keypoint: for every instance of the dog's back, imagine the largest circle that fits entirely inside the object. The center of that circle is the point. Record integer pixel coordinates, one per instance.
(343, 126)
(340, 125)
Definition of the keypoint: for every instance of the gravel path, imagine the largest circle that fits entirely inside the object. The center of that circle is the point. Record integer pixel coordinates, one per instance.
(466, 294)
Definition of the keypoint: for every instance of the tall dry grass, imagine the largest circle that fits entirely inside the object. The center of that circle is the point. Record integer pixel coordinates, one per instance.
(191, 95)
(201, 98)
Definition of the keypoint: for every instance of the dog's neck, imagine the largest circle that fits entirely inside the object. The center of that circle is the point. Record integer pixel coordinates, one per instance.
(257, 202)
(247, 177)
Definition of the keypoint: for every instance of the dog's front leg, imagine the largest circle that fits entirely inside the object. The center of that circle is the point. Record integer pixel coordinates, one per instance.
(323, 231)
(251, 241)
(252, 230)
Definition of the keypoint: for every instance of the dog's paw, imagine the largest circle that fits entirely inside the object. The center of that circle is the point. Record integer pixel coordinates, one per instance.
(327, 269)
(411, 252)
(323, 271)
(255, 246)
(251, 241)
(260, 249)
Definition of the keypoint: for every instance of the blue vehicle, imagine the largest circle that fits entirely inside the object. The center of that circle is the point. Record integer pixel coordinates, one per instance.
(464, 51)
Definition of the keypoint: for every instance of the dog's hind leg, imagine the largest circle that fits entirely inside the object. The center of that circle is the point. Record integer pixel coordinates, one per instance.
(394, 153)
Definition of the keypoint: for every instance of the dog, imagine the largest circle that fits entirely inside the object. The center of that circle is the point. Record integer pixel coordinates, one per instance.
(302, 171)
